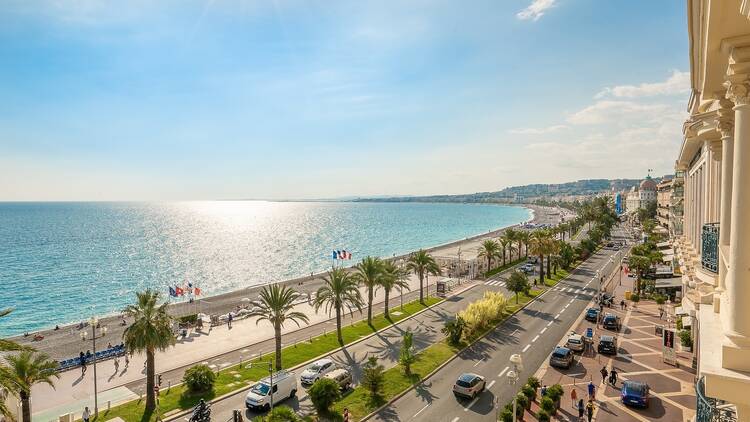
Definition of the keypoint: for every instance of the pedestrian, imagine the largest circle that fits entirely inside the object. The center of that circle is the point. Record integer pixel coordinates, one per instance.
(590, 410)
(613, 377)
(573, 396)
(622, 304)
(229, 320)
(592, 389)
(544, 390)
(346, 414)
(117, 364)
(86, 415)
(82, 359)
(604, 374)
(127, 361)
(661, 313)
(581, 408)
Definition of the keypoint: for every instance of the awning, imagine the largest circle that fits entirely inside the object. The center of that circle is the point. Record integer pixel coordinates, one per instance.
(663, 245)
(666, 283)
(667, 258)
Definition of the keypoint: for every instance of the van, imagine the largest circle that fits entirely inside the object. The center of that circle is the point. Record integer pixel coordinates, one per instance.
(282, 385)
(341, 376)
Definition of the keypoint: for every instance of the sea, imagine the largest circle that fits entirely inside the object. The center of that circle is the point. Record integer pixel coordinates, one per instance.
(64, 262)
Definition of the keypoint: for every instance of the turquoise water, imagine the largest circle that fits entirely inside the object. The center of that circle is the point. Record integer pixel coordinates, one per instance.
(62, 262)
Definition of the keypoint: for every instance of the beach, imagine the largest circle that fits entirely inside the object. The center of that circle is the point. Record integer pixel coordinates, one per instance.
(66, 342)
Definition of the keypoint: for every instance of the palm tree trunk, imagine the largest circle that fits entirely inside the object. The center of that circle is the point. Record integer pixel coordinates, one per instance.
(421, 287)
(385, 311)
(369, 305)
(25, 406)
(338, 325)
(503, 257)
(277, 335)
(548, 264)
(525, 250)
(541, 269)
(150, 372)
(489, 263)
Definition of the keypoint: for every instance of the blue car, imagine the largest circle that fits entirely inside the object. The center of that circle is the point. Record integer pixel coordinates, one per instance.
(592, 314)
(634, 393)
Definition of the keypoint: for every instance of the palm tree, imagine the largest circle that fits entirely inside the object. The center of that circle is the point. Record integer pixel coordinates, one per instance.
(24, 370)
(6, 346)
(523, 237)
(538, 246)
(511, 235)
(393, 276)
(275, 304)
(150, 331)
(369, 272)
(421, 263)
(503, 242)
(490, 249)
(340, 290)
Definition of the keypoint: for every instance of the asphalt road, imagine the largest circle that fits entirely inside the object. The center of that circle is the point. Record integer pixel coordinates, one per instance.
(533, 333)
(385, 345)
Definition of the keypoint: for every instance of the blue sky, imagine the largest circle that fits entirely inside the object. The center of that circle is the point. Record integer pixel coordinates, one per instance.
(303, 99)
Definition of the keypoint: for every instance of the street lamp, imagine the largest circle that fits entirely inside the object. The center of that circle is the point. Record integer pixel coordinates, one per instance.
(459, 265)
(94, 323)
(513, 376)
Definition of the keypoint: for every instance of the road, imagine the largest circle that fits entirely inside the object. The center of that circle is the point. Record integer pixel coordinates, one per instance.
(533, 333)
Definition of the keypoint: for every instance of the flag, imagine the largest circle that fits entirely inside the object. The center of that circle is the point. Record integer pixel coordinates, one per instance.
(178, 291)
(340, 256)
(343, 254)
(190, 284)
(348, 255)
(172, 291)
(197, 291)
(335, 255)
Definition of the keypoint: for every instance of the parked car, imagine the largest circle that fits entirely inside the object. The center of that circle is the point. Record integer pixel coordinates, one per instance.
(561, 357)
(607, 345)
(606, 299)
(341, 376)
(527, 268)
(634, 393)
(592, 314)
(575, 342)
(469, 385)
(284, 387)
(317, 370)
(611, 322)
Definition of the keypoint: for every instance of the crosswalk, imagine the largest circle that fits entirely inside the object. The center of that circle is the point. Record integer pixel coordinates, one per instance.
(497, 283)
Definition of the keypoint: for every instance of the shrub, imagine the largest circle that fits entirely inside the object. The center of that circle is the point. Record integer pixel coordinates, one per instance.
(373, 377)
(506, 415)
(190, 319)
(686, 339)
(679, 323)
(517, 283)
(542, 416)
(533, 382)
(323, 393)
(529, 392)
(555, 392)
(660, 300)
(522, 402)
(481, 313)
(547, 405)
(199, 378)
(279, 414)
(635, 298)
(453, 329)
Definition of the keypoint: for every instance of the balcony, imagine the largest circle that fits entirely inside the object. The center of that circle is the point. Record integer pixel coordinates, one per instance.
(711, 410)
(710, 247)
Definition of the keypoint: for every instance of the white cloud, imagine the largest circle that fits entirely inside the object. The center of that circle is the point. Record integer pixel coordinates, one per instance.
(677, 83)
(604, 111)
(537, 131)
(535, 10)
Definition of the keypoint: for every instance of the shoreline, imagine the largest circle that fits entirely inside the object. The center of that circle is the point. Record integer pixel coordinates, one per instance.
(66, 343)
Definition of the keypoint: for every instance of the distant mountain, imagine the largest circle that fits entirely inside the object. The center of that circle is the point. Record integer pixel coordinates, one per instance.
(523, 194)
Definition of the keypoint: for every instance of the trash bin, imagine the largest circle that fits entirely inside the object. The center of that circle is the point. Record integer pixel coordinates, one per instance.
(627, 294)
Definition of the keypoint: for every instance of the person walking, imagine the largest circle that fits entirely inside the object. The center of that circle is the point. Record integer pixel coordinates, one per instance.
(592, 389)
(573, 397)
(127, 361)
(581, 408)
(613, 377)
(604, 374)
(544, 390)
(346, 414)
(82, 359)
(622, 304)
(117, 364)
(590, 410)
(86, 415)
(229, 320)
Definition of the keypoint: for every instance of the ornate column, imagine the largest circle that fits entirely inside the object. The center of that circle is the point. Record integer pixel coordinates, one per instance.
(726, 128)
(736, 347)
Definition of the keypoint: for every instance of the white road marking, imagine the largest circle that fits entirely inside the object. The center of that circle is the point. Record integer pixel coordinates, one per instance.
(491, 384)
(526, 348)
(473, 402)
(571, 300)
(478, 362)
(455, 419)
(503, 371)
(516, 330)
(543, 330)
(535, 338)
(420, 410)
(557, 316)
(549, 323)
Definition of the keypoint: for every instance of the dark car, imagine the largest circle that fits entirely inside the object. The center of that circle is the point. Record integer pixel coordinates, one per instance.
(592, 314)
(611, 322)
(634, 393)
(607, 345)
(562, 357)
(606, 299)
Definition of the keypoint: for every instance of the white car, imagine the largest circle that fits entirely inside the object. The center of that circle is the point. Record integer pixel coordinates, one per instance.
(282, 386)
(317, 370)
(469, 385)
(575, 342)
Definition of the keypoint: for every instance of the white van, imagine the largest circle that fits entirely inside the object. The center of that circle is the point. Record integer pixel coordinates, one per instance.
(284, 387)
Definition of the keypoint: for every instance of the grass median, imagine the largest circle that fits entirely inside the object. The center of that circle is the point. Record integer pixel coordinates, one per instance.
(239, 376)
(502, 268)
(358, 400)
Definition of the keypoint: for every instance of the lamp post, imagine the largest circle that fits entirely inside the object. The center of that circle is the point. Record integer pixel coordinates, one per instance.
(459, 265)
(94, 323)
(513, 376)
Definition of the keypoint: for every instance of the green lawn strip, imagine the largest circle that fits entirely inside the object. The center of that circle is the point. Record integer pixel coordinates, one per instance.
(238, 376)
(358, 400)
(502, 268)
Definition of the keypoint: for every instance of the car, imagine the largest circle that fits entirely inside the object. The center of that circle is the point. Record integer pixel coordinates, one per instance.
(606, 299)
(634, 393)
(469, 385)
(575, 342)
(611, 322)
(341, 376)
(284, 387)
(317, 370)
(607, 345)
(592, 314)
(561, 357)
(527, 268)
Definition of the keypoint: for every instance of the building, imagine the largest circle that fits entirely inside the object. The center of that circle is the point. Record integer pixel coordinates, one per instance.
(713, 175)
(642, 196)
(663, 202)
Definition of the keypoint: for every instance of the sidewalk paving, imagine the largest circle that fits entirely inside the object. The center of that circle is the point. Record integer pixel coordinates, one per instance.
(639, 358)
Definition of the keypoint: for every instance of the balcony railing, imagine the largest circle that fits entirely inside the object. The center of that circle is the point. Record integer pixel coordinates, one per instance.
(710, 247)
(712, 410)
